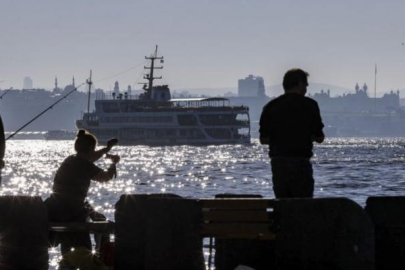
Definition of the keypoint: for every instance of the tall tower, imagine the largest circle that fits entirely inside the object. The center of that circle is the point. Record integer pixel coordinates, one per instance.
(73, 81)
(56, 90)
(116, 88)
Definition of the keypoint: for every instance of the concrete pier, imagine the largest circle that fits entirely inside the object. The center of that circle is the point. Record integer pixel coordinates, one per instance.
(165, 232)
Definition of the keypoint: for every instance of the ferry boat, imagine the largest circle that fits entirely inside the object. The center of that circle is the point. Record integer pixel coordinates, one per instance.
(154, 118)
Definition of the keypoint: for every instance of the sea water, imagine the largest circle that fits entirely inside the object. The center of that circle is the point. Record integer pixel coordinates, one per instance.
(355, 168)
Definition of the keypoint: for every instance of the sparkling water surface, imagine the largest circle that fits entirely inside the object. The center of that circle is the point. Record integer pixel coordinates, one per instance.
(355, 168)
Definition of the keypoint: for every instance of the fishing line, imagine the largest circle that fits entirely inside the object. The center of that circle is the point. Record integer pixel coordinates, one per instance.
(44, 111)
(139, 77)
(125, 71)
(1, 97)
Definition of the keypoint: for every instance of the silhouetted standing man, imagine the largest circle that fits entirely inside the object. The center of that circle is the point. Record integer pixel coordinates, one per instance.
(290, 124)
(2, 146)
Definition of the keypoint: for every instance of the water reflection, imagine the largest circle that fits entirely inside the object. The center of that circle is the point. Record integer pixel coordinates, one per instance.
(351, 167)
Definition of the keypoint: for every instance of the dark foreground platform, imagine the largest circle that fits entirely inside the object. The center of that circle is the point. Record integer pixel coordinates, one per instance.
(164, 231)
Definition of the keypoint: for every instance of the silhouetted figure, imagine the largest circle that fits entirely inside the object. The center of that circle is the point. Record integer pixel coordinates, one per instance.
(67, 202)
(2, 146)
(290, 124)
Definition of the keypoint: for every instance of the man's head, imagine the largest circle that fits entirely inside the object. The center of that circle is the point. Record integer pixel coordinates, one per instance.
(85, 143)
(296, 81)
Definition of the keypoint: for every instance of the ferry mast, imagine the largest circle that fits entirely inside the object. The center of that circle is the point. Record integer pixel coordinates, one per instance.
(150, 76)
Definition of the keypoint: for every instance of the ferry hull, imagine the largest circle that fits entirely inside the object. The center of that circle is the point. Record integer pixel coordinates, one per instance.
(103, 135)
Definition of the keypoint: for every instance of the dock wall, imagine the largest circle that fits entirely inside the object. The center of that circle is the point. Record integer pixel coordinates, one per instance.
(164, 232)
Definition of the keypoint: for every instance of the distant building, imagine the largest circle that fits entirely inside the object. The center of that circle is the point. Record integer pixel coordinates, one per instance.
(359, 101)
(251, 86)
(70, 87)
(27, 83)
(116, 88)
(129, 90)
(100, 93)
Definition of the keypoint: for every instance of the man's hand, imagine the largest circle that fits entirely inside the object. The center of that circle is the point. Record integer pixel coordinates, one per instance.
(114, 158)
(111, 143)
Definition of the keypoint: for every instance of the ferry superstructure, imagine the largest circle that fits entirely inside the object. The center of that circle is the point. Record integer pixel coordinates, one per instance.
(154, 118)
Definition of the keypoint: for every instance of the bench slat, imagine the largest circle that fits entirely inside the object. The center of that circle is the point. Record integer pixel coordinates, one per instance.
(236, 203)
(235, 228)
(238, 231)
(265, 236)
(90, 227)
(237, 215)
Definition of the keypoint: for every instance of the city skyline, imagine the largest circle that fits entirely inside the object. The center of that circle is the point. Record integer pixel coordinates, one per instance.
(209, 44)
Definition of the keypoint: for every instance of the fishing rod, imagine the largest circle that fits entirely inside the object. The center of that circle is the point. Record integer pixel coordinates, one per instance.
(47, 109)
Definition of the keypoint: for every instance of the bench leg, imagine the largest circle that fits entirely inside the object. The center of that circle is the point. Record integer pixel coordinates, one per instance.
(210, 254)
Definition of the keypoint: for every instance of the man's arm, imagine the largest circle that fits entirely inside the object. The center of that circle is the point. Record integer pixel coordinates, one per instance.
(99, 153)
(2, 144)
(105, 176)
(318, 135)
(264, 127)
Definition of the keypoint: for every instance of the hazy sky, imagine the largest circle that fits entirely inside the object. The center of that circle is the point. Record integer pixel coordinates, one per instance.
(206, 43)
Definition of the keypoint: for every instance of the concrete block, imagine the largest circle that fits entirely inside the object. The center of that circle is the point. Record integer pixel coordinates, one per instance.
(388, 216)
(157, 232)
(323, 233)
(23, 233)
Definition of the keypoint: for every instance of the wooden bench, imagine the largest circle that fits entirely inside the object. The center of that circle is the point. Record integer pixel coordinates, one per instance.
(238, 218)
(99, 227)
(222, 218)
(230, 218)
